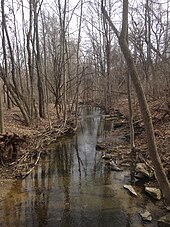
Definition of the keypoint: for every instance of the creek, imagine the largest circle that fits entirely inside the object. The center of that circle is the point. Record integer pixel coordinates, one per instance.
(71, 186)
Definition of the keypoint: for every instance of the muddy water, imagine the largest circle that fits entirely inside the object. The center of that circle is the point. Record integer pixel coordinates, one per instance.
(72, 188)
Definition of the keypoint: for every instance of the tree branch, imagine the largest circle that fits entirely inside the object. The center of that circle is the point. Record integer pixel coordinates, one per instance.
(105, 14)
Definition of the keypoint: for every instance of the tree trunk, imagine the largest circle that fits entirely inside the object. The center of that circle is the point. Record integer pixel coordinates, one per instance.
(30, 57)
(1, 112)
(132, 137)
(41, 95)
(12, 88)
(78, 62)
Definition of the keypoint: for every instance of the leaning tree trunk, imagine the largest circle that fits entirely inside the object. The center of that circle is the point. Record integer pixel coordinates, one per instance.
(1, 112)
(152, 148)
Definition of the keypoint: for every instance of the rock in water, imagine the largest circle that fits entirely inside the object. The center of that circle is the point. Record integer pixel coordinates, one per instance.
(146, 216)
(131, 189)
(154, 192)
(164, 221)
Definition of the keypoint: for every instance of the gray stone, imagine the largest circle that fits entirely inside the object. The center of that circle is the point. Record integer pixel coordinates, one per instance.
(143, 171)
(168, 208)
(130, 189)
(154, 192)
(146, 216)
(164, 221)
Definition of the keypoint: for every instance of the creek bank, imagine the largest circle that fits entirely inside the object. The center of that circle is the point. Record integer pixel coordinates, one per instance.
(22, 146)
(161, 122)
(144, 171)
(21, 154)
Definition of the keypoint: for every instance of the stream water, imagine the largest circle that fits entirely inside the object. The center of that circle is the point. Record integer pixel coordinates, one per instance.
(71, 186)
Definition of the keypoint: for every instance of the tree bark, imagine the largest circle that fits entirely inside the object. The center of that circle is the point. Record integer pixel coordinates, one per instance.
(1, 112)
(41, 95)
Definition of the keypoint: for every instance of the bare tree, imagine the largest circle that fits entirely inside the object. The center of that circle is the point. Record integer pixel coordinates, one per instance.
(41, 96)
(12, 86)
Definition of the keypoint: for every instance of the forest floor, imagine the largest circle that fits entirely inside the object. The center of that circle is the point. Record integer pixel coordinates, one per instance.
(161, 120)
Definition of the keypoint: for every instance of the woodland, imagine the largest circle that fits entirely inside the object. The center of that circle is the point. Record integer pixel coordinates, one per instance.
(57, 55)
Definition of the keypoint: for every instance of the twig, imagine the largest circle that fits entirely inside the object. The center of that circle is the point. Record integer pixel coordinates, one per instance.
(27, 173)
(147, 164)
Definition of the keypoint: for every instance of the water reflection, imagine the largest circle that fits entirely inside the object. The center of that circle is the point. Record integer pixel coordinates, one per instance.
(71, 186)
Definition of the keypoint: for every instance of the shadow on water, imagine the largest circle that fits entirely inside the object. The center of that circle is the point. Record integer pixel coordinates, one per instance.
(71, 186)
